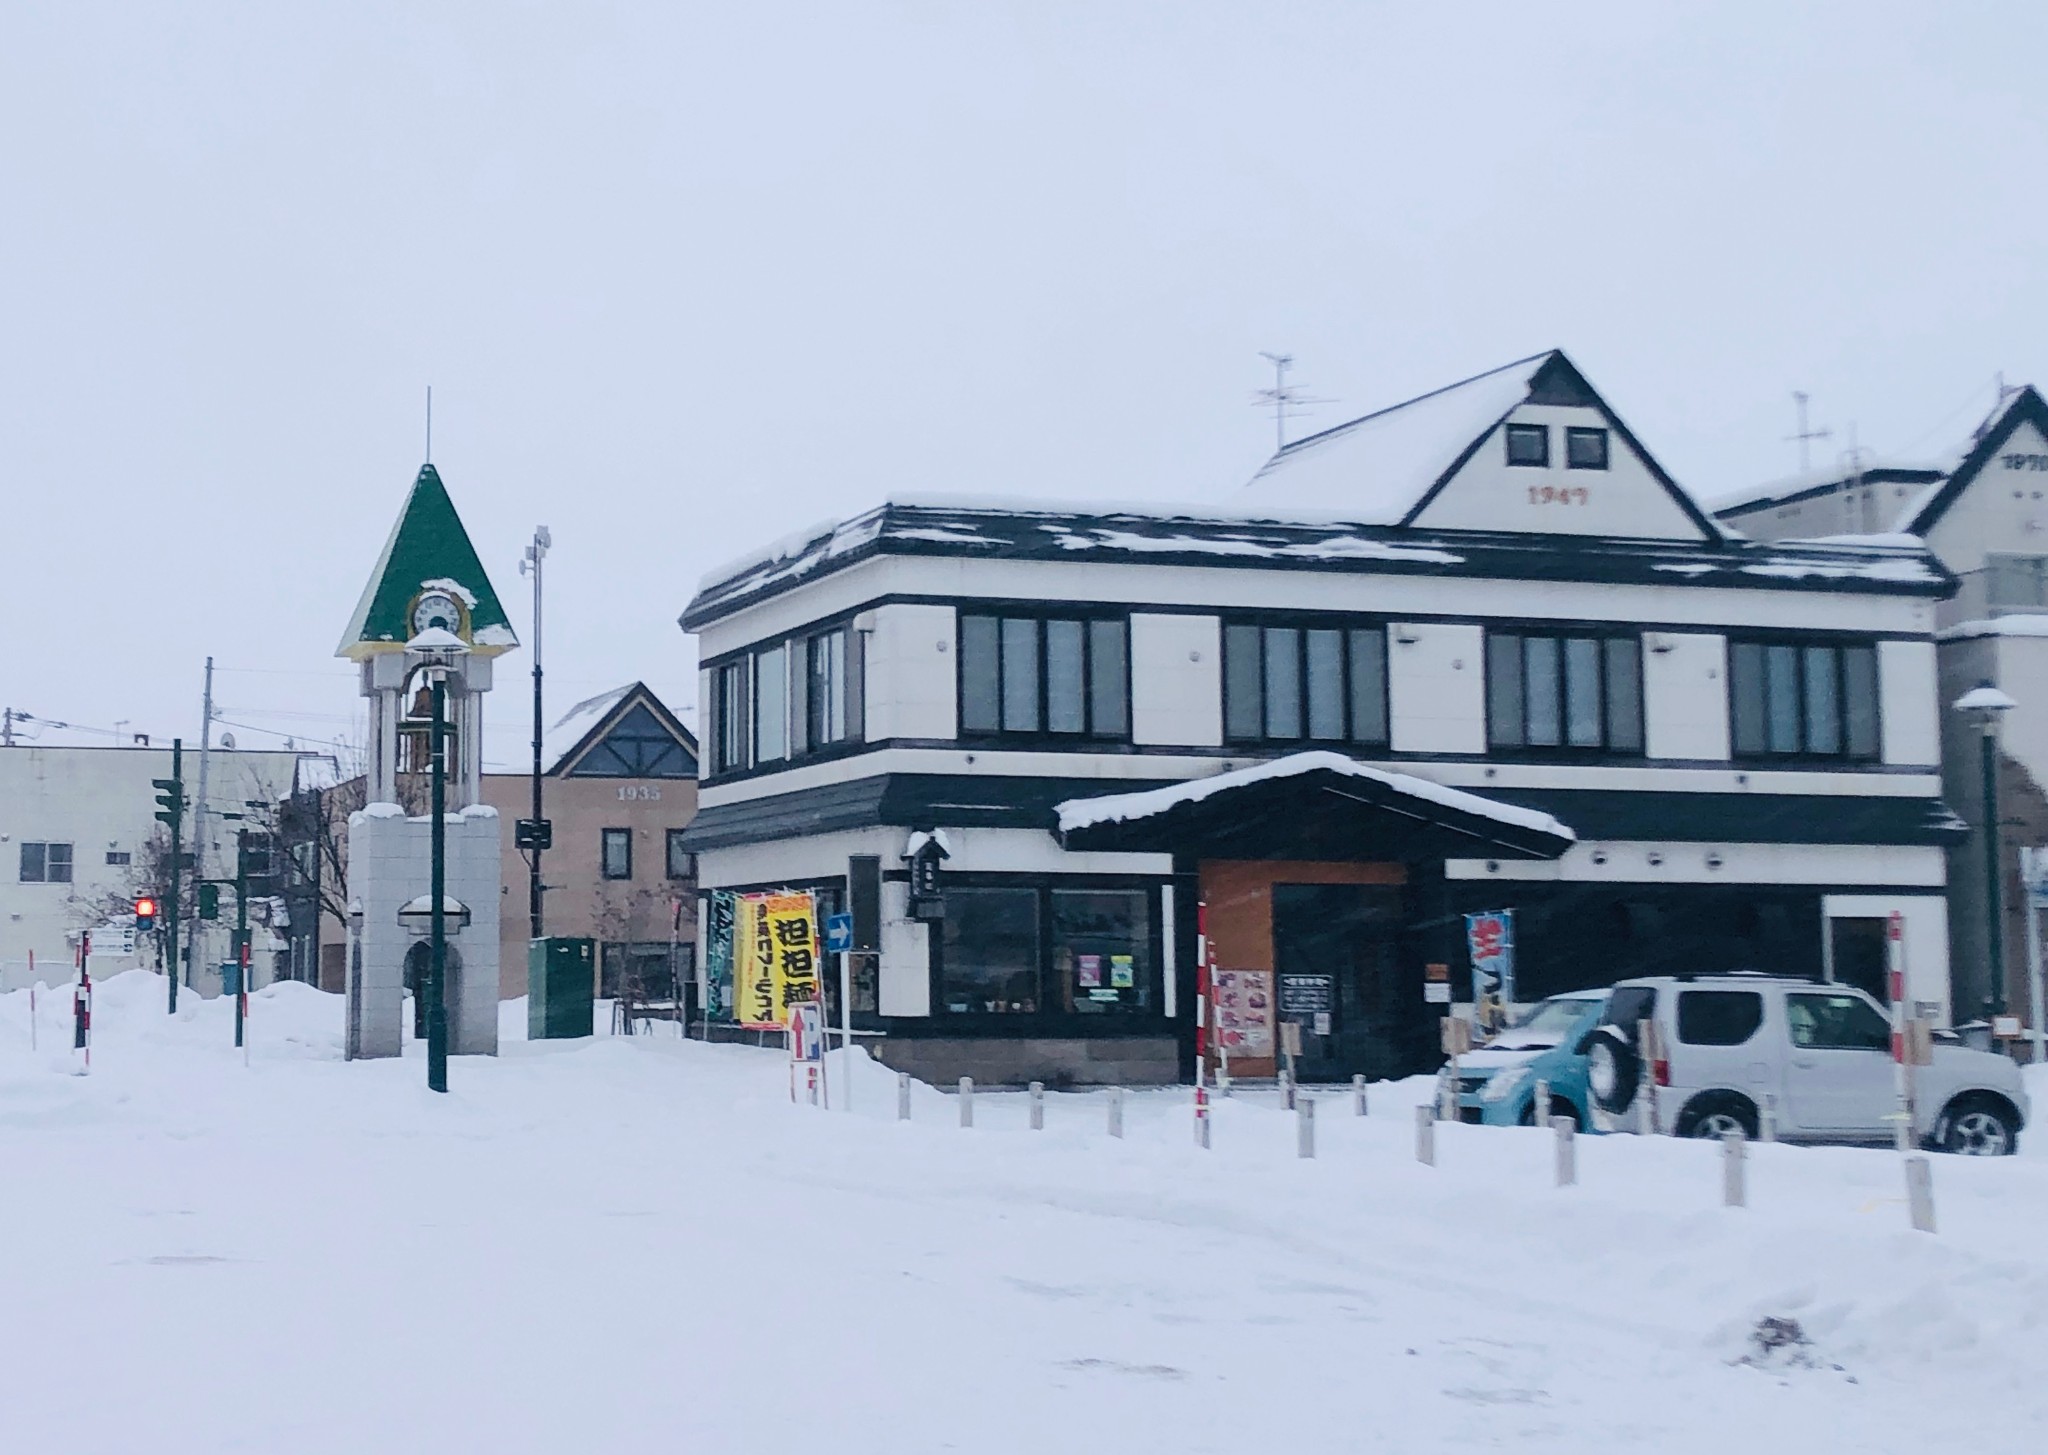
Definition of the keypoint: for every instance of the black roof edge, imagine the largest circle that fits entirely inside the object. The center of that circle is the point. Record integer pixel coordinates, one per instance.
(2027, 407)
(1881, 474)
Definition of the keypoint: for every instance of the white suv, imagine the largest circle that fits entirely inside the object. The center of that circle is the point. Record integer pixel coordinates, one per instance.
(1819, 1055)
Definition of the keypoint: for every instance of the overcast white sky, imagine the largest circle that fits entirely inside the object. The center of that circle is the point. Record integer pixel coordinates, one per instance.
(685, 277)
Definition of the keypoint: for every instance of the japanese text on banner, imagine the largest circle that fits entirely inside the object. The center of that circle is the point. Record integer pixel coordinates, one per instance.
(777, 958)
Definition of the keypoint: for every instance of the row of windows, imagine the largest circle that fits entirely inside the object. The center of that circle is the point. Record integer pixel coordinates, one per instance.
(615, 855)
(1066, 677)
(787, 700)
(1584, 449)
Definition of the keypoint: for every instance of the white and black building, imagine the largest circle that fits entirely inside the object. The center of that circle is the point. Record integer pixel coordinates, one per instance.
(1477, 651)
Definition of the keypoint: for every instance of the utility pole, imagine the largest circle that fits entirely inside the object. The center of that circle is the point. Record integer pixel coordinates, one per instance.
(241, 931)
(199, 802)
(536, 834)
(1805, 436)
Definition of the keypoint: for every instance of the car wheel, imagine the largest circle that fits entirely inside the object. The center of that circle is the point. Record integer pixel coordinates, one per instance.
(1716, 1115)
(1979, 1128)
(1613, 1070)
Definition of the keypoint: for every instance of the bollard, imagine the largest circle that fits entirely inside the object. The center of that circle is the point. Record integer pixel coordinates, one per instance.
(1920, 1193)
(1734, 1164)
(1038, 1106)
(902, 1096)
(1567, 1131)
(1116, 1111)
(1202, 1117)
(1646, 1087)
(1425, 1135)
(1539, 1105)
(967, 1101)
(1358, 1093)
(1286, 1089)
(1767, 1119)
(1304, 1128)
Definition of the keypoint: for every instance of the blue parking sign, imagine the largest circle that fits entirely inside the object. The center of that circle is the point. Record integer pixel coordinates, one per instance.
(838, 933)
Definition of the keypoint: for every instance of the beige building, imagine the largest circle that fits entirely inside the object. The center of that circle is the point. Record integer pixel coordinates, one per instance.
(619, 788)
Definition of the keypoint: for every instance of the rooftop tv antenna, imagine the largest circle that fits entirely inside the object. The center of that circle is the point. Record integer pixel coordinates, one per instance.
(1283, 399)
(1805, 436)
(430, 424)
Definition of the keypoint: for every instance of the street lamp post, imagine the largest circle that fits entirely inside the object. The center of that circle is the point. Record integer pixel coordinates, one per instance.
(439, 650)
(1985, 705)
(530, 564)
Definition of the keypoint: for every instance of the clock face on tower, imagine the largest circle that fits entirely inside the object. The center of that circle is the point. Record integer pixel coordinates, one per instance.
(436, 608)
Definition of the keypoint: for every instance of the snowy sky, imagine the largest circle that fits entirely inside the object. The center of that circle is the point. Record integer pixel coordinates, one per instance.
(687, 276)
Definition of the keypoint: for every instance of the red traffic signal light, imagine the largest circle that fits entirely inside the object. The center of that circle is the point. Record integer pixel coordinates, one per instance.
(145, 913)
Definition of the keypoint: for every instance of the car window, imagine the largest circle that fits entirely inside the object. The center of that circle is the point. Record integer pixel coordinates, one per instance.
(1836, 1023)
(1718, 1017)
(1627, 1007)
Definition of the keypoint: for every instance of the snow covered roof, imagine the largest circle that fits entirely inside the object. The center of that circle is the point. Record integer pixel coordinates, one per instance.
(2025, 407)
(1080, 813)
(1809, 484)
(428, 550)
(2023, 624)
(1377, 468)
(1193, 535)
(573, 726)
(1983, 699)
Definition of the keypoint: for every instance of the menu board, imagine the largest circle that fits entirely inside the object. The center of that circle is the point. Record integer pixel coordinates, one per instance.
(1244, 1012)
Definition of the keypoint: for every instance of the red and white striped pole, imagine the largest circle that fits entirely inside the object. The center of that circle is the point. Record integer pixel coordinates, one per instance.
(242, 997)
(1201, 1023)
(32, 1000)
(81, 1005)
(1902, 1070)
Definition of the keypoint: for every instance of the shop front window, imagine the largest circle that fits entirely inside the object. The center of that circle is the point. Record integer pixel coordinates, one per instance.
(1102, 950)
(989, 952)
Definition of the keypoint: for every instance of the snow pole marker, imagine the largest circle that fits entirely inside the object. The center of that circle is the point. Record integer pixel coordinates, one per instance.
(1425, 1134)
(1037, 1093)
(902, 1096)
(81, 1005)
(1202, 1117)
(1902, 1060)
(1358, 1093)
(242, 1001)
(1116, 1112)
(1734, 1180)
(1920, 1193)
(1567, 1164)
(967, 1101)
(1305, 1127)
(32, 1000)
(1539, 1104)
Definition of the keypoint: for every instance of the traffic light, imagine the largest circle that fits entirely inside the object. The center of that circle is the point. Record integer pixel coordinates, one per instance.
(209, 901)
(145, 914)
(171, 798)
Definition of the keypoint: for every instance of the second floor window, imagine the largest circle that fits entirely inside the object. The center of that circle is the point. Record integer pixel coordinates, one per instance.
(1306, 683)
(1564, 691)
(43, 863)
(1811, 699)
(1044, 676)
(787, 699)
(618, 854)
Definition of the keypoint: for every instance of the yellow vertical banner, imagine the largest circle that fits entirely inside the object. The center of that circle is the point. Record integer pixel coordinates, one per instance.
(775, 957)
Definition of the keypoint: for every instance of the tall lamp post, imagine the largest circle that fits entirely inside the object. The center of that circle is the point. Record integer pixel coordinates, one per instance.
(438, 651)
(534, 835)
(1985, 705)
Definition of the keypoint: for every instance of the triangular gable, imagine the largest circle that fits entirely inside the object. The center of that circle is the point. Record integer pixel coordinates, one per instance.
(634, 735)
(1439, 462)
(2027, 408)
(428, 550)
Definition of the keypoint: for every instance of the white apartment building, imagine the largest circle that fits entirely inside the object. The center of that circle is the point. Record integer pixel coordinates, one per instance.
(76, 824)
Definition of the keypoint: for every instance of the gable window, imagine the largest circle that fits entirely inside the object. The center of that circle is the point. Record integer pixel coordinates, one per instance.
(1585, 449)
(1565, 690)
(1792, 699)
(617, 856)
(44, 863)
(682, 864)
(1313, 682)
(1044, 676)
(636, 746)
(1529, 444)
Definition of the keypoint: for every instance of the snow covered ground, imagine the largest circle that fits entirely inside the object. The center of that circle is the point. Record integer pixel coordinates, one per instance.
(640, 1244)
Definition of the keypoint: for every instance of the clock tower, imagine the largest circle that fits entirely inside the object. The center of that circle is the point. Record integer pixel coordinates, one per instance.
(429, 608)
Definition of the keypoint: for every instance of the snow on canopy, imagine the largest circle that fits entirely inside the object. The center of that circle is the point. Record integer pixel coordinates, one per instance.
(1375, 470)
(1080, 813)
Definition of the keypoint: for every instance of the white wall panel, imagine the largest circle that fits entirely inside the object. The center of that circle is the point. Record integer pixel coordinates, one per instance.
(1685, 695)
(1176, 680)
(1909, 711)
(1436, 687)
(912, 688)
(904, 984)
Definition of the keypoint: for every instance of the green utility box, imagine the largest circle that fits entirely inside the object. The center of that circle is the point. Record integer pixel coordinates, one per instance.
(561, 987)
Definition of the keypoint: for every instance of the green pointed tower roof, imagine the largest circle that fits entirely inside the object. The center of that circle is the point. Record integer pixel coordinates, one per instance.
(428, 552)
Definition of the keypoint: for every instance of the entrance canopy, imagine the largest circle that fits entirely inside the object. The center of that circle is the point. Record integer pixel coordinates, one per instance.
(1314, 805)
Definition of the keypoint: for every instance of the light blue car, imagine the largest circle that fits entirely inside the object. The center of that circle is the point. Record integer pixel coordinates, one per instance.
(1497, 1081)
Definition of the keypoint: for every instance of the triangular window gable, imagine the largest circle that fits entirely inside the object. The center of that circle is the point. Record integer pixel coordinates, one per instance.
(636, 745)
(1561, 463)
